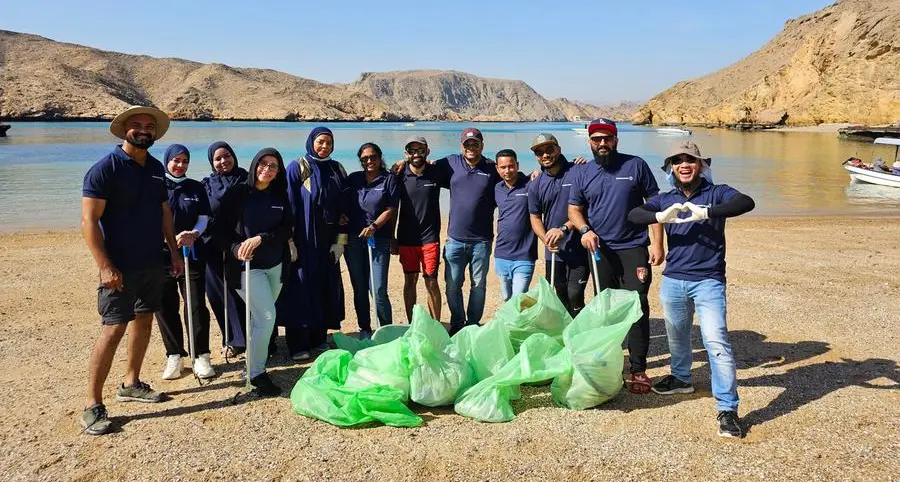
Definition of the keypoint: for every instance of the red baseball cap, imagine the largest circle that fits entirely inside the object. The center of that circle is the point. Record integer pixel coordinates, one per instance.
(470, 133)
(603, 125)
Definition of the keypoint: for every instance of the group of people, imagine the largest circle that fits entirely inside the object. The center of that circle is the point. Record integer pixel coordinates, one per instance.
(280, 230)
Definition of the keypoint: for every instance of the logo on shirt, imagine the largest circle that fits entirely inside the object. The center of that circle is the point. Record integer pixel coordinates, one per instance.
(278, 207)
(158, 177)
(567, 185)
(482, 173)
(629, 178)
(192, 199)
(378, 189)
(429, 185)
(521, 194)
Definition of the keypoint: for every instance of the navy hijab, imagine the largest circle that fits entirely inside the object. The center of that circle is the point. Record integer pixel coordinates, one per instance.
(278, 186)
(325, 186)
(310, 152)
(218, 184)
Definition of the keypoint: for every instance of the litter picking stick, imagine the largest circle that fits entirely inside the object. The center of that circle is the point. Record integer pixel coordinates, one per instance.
(186, 251)
(594, 259)
(225, 297)
(248, 335)
(371, 244)
(553, 270)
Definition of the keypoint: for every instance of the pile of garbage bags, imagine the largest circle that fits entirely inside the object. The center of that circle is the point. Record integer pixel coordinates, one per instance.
(479, 370)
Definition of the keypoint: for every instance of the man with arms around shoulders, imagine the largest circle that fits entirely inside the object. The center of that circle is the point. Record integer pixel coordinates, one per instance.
(124, 214)
(694, 278)
(602, 194)
(419, 225)
(548, 201)
(516, 248)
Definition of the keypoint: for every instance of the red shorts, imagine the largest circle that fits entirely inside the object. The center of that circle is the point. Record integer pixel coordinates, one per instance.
(421, 258)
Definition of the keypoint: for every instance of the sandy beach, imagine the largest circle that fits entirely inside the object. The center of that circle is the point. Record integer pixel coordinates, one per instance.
(813, 316)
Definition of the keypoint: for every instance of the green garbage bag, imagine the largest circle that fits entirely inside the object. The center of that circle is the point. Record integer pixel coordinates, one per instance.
(385, 334)
(321, 394)
(486, 348)
(594, 344)
(386, 365)
(540, 358)
(436, 377)
(537, 311)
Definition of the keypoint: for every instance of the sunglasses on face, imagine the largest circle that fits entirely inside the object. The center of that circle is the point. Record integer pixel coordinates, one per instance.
(373, 157)
(689, 160)
(602, 139)
(413, 151)
(544, 150)
(471, 144)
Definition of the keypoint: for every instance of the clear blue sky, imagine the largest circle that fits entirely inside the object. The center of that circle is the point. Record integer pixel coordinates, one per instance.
(597, 51)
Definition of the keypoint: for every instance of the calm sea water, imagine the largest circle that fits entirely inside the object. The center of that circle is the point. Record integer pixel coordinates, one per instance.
(42, 164)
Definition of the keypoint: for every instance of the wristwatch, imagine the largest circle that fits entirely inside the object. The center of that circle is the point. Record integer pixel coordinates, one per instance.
(564, 228)
(374, 226)
(584, 229)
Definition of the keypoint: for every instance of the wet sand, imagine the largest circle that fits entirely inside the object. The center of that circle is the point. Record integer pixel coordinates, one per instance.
(813, 316)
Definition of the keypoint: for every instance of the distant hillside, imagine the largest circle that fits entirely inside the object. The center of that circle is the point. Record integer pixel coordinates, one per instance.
(840, 64)
(45, 79)
(579, 110)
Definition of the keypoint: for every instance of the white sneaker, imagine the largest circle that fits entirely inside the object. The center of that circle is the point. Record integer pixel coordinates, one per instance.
(202, 368)
(173, 368)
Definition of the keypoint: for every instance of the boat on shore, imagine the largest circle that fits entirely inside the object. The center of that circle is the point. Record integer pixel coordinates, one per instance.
(875, 173)
(3, 129)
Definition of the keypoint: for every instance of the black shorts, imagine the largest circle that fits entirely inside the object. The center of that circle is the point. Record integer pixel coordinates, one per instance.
(141, 293)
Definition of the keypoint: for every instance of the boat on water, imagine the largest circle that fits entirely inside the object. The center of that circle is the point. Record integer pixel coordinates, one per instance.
(673, 131)
(3, 129)
(877, 173)
(580, 131)
(409, 124)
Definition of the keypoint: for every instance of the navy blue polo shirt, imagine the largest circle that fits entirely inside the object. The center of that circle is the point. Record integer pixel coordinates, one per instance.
(263, 212)
(419, 222)
(696, 249)
(610, 193)
(548, 197)
(187, 201)
(132, 220)
(515, 239)
(471, 197)
(364, 202)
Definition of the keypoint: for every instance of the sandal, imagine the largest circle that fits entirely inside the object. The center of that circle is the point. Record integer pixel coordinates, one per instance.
(638, 383)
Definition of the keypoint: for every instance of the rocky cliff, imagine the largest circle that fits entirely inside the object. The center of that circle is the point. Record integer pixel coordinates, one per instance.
(44, 79)
(840, 64)
(575, 110)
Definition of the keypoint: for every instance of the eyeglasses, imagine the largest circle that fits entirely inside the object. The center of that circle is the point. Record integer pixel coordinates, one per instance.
(268, 167)
(412, 151)
(602, 139)
(544, 150)
(690, 160)
(372, 157)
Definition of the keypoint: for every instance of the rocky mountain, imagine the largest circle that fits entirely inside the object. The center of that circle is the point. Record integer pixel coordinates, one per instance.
(575, 110)
(44, 79)
(837, 65)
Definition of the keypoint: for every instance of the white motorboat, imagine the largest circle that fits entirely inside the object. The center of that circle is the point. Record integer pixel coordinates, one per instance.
(861, 172)
(673, 131)
(580, 131)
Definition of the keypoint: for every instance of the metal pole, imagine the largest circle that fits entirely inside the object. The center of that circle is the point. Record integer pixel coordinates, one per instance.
(225, 291)
(247, 336)
(185, 251)
(371, 244)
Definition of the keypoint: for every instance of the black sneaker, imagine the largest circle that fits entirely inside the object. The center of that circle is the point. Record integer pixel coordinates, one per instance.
(95, 421)
(139, 392)
(729, 425)
(670, 385)
(264, 386)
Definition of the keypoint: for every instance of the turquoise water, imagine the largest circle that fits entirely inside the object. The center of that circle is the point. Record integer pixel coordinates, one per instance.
(42, 164)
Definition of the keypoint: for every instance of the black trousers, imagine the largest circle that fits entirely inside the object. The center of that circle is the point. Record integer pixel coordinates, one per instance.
(304, 338)
(215, 292)
(571, 280)
(169, 319)
(630, 269)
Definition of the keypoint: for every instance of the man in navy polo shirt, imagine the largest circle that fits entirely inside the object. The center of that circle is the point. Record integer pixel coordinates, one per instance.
(419, 225)
(124, 215)
(694, 278)
(471, 229)
(602, 194)
(548, 202)
(516, 248)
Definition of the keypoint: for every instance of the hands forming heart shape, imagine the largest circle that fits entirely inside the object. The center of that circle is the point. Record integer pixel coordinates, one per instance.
(670, 214)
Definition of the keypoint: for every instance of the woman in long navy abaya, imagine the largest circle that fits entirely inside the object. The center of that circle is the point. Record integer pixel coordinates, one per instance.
(313, 299)
(225, 176)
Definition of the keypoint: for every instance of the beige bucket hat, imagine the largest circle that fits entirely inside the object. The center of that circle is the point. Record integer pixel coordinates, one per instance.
(118, 129)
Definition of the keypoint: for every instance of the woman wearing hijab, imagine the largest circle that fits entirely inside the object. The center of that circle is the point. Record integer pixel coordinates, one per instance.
(190, 211)
(370, 199)
(225, 176)
(254, 224)
(313, 300)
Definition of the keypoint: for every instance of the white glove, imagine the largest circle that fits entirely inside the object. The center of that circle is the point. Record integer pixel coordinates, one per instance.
(697, 213)
(293, 249)
(670, 214)
(337, 250)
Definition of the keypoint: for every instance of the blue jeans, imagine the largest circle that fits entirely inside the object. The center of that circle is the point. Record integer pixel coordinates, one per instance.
(265, 285)
(357, 258)
(515, 276)
(457, 255)
(679, 300)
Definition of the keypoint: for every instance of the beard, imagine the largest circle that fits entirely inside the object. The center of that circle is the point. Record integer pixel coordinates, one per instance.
(141, 141)
(417, 161)
(604, 158)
